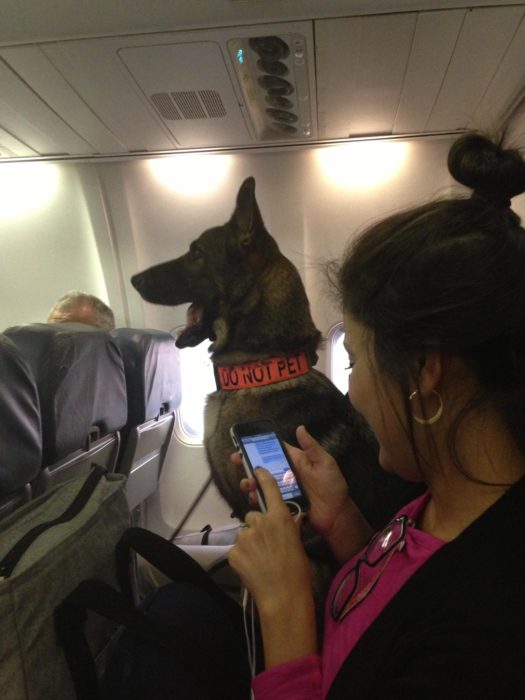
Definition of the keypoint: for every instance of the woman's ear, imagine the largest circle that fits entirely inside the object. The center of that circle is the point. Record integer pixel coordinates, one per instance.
(430, 371)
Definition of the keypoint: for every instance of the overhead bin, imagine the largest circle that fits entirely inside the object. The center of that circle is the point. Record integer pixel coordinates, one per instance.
(404, 73)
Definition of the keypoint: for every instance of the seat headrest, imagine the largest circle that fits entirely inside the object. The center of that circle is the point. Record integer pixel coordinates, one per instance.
(152, 364)
(20, 425)
(80, 378)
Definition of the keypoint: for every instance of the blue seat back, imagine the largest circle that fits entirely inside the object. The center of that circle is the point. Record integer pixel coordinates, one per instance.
(152, 366)
(20, 422)
(81, 383)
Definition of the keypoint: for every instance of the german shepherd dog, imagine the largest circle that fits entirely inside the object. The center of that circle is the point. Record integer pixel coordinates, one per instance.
(248, 299)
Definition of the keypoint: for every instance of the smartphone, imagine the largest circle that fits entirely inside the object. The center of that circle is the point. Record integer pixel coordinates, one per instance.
(260, 446)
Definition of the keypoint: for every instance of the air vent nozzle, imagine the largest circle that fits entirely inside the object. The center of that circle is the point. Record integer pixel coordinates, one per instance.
(273, 75)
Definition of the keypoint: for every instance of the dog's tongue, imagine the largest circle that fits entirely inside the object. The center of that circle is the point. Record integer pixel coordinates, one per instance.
(194, 315)
(192, 334)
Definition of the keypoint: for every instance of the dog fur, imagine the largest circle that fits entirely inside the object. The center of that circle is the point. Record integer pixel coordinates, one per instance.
(249, 300)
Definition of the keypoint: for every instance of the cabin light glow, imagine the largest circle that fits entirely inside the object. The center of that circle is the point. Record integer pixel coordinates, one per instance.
(363, 164)
(191, 174)
(26, 187)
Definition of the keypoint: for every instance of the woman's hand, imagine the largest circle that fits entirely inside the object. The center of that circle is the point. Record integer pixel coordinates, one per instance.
(332, 512)
(269, 555)
(270, 560)
(320, 477)
(322, 480)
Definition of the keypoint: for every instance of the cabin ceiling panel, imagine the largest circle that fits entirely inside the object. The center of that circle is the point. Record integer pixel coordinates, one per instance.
(190, 85)
(368, 74)
(416, 72)
(507, 88)
(361, 64)
(426, 69)
(30, 21)
(485, 37)
(35, 68)
(95, 73)
(25, 116)
(11, 146)
(121, 94)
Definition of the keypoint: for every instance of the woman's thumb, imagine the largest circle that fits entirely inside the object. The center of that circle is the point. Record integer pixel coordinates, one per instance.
(306, 441)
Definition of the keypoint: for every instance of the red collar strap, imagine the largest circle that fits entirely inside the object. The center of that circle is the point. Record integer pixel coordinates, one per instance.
(248, 375)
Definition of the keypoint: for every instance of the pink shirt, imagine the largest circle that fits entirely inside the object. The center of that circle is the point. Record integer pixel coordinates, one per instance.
(311, 677)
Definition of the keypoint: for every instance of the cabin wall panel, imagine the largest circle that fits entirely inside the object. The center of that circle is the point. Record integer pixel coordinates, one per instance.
(46, 250)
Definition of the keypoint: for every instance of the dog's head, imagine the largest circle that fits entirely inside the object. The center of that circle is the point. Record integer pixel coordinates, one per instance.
(216, 272)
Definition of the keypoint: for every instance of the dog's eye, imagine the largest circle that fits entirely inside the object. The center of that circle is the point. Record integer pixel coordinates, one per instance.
(350, 365)
(196, 254)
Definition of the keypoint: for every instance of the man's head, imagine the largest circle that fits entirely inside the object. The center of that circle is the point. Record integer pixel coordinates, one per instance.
(78, 307)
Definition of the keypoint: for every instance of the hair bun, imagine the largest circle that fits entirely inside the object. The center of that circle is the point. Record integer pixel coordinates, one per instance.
(494, 173)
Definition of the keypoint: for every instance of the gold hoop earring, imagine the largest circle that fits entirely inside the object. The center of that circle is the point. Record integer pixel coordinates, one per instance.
(437, 415)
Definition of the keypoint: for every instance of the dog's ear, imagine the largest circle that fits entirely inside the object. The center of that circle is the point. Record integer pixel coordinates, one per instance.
(247, 217)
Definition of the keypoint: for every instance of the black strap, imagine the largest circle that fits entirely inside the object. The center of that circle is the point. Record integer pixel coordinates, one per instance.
(206, 534)
(13, 556)
(170, 560)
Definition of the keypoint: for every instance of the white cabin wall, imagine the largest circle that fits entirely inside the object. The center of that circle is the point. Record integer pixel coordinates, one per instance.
(47, 241)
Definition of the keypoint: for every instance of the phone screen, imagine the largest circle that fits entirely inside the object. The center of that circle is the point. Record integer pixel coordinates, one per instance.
(264, 450)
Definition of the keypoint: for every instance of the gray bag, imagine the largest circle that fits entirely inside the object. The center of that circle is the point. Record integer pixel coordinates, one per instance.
(46, 548)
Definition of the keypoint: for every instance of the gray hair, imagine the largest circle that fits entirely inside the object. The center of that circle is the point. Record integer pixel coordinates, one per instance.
(79, 307)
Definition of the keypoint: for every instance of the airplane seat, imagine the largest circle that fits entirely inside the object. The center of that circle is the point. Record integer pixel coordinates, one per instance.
(81, 385)
(20, 428)
(151, 362)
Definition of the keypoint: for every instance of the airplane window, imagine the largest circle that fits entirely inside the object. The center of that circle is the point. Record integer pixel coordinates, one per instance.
(197, 382)
(338, 358)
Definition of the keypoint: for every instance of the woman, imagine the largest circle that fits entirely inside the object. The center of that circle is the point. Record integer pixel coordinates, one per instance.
(432, 607)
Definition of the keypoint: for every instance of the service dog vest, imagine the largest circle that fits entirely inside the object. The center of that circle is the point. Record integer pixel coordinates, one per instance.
(248, 375)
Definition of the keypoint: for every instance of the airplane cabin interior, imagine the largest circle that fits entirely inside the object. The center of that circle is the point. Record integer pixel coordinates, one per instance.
(126, 130)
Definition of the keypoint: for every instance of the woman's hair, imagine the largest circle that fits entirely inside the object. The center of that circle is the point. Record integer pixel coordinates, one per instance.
(450, 275)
